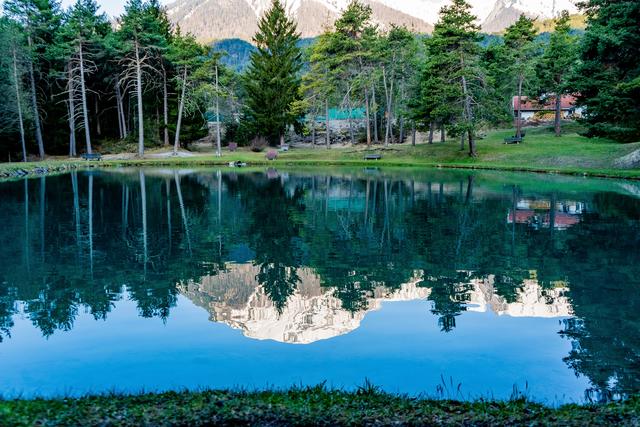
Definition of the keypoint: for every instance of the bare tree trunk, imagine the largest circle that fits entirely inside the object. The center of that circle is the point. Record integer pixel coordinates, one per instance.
(91, 224)
(167, 185)
(326, 111)
(176, 142)
(519, 110)
(96, 105)
(165, 106)
(431, 129)
(143, 194)
(182, 210)
(34, 104)
(27, 237)
(558, 117)
(19, 104)
(43, 202)
(218, 138)
(76, 211)
(386, 93)
(368, 114)
(443, 136)
(85, 111)
(351, 133)
(313, 132)
(468, 115)
(375, 113)
(139, 95)
(401, 130)
(121, 121)
(413, 133)
(72, 114)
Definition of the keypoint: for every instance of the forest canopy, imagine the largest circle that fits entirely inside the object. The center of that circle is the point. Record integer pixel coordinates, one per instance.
(75, 82)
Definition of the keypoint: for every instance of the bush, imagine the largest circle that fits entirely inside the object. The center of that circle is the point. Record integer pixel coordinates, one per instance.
(272, 155)
(258, 144)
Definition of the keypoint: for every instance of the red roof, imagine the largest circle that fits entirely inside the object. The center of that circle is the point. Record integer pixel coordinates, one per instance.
(567, 102)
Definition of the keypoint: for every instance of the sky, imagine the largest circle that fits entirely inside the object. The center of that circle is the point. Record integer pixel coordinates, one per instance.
(424, 8)
(110, 7)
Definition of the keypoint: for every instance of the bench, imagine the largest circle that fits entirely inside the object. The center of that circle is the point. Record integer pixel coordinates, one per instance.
(92, 156)
(373, 156)
(513, 140)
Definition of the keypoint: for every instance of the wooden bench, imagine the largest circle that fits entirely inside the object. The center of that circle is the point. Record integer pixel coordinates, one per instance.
(92, 156)
(513, 140)
(373, 156)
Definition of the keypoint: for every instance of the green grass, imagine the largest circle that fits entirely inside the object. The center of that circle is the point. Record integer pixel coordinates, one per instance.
(309, 406)
(570, 154)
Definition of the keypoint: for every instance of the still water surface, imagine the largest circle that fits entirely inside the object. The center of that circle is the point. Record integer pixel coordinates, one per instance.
(450, 284)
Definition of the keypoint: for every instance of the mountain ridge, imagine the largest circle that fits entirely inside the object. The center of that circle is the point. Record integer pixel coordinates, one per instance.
(211, 20)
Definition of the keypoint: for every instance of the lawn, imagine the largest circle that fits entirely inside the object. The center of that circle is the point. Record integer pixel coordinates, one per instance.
(541, 152)
(308, 406)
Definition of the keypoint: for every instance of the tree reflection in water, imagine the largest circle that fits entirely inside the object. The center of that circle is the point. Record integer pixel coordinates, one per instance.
(83, 241)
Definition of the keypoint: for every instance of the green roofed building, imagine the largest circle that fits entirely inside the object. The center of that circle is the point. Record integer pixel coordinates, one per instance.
(339, 118)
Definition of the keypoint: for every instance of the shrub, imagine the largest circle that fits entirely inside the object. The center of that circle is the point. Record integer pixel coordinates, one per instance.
(272, 155)
(258, 144)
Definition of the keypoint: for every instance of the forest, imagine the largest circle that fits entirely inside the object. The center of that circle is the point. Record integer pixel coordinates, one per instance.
(76, 82)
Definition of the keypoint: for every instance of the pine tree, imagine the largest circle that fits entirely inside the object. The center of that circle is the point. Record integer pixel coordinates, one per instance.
(186, 55)
(40, 20)
(80, 39)
(272, 81)
(455, 53)
(608, 77)
(520, 51)
(142, 36)
(558, 64)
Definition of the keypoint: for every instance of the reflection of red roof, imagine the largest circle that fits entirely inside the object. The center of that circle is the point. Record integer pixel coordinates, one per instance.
(567, 102)
(527, 216)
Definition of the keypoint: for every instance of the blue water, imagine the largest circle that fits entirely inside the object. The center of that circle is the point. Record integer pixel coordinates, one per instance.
(418, 283)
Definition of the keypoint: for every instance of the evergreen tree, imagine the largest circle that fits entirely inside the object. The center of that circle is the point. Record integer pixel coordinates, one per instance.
(454, 54)
(81, 39)
(142, 36)
(272, 81)
(40, 20)
(608, 76)
(558, 63)
(520, 51)
(187, 55)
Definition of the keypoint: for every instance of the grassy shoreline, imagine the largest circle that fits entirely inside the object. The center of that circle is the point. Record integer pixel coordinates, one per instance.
(304, 406)
(571, 154)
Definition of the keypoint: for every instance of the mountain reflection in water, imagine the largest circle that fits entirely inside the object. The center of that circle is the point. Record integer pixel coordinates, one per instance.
(301, 257)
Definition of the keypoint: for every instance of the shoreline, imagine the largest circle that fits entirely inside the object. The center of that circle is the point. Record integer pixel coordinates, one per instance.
(12, 171)
(306, 406)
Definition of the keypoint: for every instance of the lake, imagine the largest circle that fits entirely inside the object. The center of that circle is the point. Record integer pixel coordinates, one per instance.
(441, 283)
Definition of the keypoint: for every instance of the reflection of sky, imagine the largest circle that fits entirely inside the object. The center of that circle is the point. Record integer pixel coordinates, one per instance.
(399, 347)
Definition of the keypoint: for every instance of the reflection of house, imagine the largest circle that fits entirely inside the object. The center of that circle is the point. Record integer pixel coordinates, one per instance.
(314, 313)
(531, 108)
(539, 214)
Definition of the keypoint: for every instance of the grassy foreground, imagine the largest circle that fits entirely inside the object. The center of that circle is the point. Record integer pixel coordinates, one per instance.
(311, 406)
(541, 152)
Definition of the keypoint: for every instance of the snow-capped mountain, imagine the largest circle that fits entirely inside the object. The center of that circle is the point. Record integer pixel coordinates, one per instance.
(220, 19)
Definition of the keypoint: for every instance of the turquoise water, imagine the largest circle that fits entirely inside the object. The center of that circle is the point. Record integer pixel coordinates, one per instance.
(440, 283)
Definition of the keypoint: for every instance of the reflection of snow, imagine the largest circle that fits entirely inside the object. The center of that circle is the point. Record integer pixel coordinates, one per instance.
(313, 313)
(532, 300)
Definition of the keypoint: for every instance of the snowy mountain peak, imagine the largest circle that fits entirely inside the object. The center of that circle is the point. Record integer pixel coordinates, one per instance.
(221, 19)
